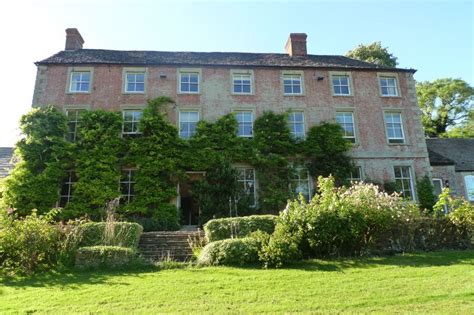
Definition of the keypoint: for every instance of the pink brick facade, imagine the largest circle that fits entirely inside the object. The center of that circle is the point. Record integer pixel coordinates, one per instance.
(371, 150)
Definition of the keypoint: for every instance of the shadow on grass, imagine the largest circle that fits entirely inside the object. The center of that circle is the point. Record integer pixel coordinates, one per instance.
(75, 279)
(417, 259)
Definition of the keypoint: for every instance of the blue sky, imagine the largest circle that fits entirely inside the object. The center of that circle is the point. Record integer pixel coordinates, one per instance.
(435, 37)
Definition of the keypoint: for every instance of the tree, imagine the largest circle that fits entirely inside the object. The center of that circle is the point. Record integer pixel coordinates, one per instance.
(373, 53)
(444, 103)
(464, 130)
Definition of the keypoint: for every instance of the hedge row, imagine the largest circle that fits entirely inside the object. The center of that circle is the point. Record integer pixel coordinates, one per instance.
(238, 251)
(94, 257)
(238, 227)
(126, 234)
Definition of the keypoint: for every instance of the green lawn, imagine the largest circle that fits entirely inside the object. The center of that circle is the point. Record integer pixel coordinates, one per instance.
(439, 282)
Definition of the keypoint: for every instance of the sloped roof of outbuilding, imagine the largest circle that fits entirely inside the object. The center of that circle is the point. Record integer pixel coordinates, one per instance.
(459, 151)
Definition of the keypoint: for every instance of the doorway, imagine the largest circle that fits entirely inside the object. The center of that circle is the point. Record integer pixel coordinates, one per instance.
(188, 203)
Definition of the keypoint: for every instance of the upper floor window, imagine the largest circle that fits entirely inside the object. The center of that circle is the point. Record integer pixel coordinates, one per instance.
(246, 178)
(131, 118)
(346, 120)
(292, 84)
(187, 123)
(80, 81)
(341, 85)
(66, 188)
(394, 127)
(404, 181)
(242, 83)
(189, 82)
(73, 120)
(245, 123)
(388, 86)
(300, 182)
(127, 185)
(296, 124)
(135, 82)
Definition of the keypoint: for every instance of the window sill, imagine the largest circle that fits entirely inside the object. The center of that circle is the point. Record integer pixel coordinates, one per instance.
(293, 95)
(134, 93)
(189, 93)
(342, 95)
(390, 96)
(69, 92)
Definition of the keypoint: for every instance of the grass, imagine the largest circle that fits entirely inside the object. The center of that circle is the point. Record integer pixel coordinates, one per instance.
(438, 282)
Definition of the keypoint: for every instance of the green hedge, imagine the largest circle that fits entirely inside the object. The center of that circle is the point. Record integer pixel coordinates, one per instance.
(220, 229)
(104, 257)
(127, 234)
(428, 234)
(238, 251)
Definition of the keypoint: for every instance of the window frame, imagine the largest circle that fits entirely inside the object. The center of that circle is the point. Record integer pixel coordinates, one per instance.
(469, 196)
(134, 70)
(411, 178)
(234, 73)
(293, 73)
(349, 83)
(187, 110)
(382, 75)
(130, 183)
(357, 179)
(298, 180)
(402, 128)
(71, 72)
(355, 138)
(241, 111)
(189, 71)
(69, 181)
(293, 124)
(244, 181)
(66, 109)
(134, 122)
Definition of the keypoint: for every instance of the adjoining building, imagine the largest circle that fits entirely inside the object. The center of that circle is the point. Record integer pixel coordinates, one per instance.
(452, 162)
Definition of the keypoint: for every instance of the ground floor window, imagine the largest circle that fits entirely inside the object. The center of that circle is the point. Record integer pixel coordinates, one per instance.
(469, 181)
(301, 183)
(356, 175)
(246, 178)
(404, 181)
(67, 188)
(127, 185)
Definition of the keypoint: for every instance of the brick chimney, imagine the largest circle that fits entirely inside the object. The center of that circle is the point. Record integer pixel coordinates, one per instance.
(296, 44)
(73, 39)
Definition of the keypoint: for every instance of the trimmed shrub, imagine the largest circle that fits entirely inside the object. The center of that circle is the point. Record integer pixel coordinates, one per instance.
(166, 221)
(336, 222)
(104, 257)
(238, 251)
(220, 229)
(28, 244)
(127, 234)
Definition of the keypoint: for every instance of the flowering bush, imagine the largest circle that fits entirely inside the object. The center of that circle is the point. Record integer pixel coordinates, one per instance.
(336, 222)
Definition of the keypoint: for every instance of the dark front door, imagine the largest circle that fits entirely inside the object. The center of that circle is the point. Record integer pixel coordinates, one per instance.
(189, 211)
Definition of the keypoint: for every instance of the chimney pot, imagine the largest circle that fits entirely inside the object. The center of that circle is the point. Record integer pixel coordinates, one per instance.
(296, 44)
(73, 39)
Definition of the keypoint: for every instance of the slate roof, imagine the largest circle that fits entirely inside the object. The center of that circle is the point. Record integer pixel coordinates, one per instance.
(233, 59)
(6, 164)
(459, 151)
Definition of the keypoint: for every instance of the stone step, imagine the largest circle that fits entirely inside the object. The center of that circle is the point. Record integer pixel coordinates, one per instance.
(156, 246)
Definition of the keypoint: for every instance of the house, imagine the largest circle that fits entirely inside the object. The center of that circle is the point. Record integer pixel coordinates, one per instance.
(375, 105)
(452, 162)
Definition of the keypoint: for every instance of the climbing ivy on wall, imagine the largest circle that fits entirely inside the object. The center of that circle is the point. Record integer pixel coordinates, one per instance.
(44, 156)
(156, 156)
(96, 163)
(160, 159)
